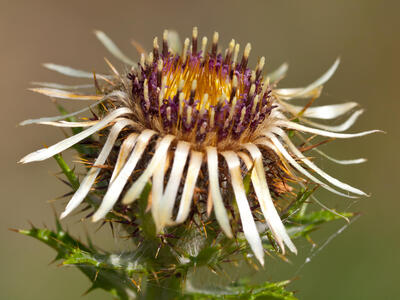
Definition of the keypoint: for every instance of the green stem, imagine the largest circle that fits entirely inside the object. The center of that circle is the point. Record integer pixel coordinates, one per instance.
(68, 172)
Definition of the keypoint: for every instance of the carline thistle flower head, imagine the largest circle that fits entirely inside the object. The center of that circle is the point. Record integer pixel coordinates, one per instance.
(194, 122)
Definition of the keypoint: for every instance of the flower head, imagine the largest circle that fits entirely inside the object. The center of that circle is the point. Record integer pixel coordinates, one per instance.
(195, 123)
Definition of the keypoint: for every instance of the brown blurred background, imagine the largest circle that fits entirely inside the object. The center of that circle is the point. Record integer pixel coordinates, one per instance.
(361, 263)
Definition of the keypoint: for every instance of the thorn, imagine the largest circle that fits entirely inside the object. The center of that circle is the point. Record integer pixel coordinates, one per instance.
(92, 288)
(58, 224)
(113, 69)
(139, 48)
(31, 224)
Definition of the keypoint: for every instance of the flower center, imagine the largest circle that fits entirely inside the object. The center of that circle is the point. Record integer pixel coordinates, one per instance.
(201, 96)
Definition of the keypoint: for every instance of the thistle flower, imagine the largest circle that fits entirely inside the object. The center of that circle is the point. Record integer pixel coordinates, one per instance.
(194, 122)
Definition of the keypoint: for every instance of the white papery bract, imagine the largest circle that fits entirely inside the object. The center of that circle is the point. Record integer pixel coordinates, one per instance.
(199, 120)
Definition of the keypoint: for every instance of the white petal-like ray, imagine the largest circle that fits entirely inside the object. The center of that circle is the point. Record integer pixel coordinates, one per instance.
(249, 226)
(68, 71)
(114, 50)
(196, 159)
(168, 199)
(55, 93)
(70, 124)
(260, 196)
(278, 148)
(63, 117)
(264, 197)
(337, 128)
(162, 149)
(337, 161)
(314, 167)
(303, 128)
(124, 152)
(94, 171)
(219, 208)
(341, 161)
(45, 153)
(325, 112)
(278, 73)
(157, 190)
(54, 85)
(57, 118)
(317, 83)
(116, 187)
(287, 93)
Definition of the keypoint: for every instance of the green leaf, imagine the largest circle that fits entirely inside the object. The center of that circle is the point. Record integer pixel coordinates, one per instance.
(319, 217)
(302, 225)
(300, 203)
(97, 267)
(265, 291)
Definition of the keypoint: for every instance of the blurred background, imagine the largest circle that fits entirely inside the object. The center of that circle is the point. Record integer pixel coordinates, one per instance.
(360, 263)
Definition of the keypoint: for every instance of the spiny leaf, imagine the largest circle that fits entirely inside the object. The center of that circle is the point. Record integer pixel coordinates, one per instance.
(74, 252)
(319, 217)
(303, 225)
(300, 202)
(125, 262)
(270, 291)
